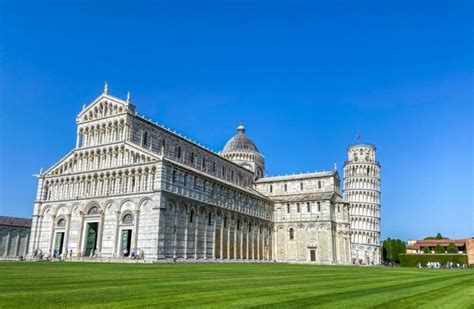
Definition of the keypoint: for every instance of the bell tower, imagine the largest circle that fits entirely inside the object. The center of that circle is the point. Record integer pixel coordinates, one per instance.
(362, 191)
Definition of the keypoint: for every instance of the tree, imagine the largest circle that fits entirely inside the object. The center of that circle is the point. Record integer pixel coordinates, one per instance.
(426, 249)
(452, 248)
(439, 249)
(391, 249)
(438, 236)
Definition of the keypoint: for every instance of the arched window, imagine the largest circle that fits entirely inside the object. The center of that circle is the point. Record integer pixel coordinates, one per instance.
(301, 186)
(191, 215)
(308, 207)
(271, 188)
(93, 211)
(292, 234)
(238, 225)
(298, 207)
(80, 142)
(319, 206)
(127, 219)
(288, 208)
(61, 223)
(209, 219)
(319, 184)
(285, 187)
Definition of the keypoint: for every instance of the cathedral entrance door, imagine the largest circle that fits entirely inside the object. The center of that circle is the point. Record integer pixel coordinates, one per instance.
(125, 242)
(91, 240)
(312, 255)
(58, 245)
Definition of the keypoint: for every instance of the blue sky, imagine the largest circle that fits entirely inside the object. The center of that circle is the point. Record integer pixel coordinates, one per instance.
(304, 77)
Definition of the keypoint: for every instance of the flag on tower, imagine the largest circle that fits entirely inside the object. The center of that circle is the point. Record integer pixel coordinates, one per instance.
(358, 136)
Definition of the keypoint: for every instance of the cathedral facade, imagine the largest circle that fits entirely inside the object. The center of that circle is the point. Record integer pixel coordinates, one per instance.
(131, 185)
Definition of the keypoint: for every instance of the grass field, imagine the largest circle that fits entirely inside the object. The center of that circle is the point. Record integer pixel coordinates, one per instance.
(43, 284)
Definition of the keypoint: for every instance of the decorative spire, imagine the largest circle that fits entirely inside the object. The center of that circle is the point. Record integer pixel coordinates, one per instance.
(106, 88)
(335, 166)
(241, 128)
(128, 96)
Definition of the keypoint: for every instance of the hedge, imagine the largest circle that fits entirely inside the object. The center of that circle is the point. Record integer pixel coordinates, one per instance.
(412, 260)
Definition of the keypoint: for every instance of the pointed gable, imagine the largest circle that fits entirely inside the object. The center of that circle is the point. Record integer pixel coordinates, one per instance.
(86, 160)
(104, 106)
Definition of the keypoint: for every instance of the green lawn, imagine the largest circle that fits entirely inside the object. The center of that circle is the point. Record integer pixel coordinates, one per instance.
(43, 284)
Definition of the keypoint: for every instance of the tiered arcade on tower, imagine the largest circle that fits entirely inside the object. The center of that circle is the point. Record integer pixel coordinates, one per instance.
(362, 191)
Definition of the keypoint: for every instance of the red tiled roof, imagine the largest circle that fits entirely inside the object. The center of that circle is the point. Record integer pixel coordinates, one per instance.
(434, 242)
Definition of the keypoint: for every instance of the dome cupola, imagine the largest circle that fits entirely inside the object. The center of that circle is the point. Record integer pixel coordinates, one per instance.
(240, 142)
(242, 150)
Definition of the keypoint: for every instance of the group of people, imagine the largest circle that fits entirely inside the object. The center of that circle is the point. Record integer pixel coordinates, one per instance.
(139, 255)
(439, 265)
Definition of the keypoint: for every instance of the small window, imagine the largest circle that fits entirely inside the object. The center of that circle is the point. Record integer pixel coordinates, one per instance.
(61, 223)
(271, 188)
(213, 167)
(319, 206)
(291, 234)
(93, 211)
(225, 222)
(301, 186)
(209, 219)
(285, 187)
(319, 184)
(203, 163)
(127, 219)
(191, 215)
(178, 152)
(192, 157)
(338, 209)
(238, 225)
(308, 207)
(288, 208)
(145, 139)
(298, 207)
(173, 177)
(223, 172)
(185, 180)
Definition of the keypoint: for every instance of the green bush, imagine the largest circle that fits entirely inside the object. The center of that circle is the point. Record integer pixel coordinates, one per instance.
(426, 250)
(412, 260)
(452, 248)
(439, 249)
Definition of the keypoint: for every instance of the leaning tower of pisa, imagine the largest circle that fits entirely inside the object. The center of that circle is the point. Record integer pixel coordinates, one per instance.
(362, 191)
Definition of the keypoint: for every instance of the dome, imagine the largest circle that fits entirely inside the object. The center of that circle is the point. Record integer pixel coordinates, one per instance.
(240, 142)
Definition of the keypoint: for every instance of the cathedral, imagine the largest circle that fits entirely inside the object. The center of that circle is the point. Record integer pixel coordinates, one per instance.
(131, 185)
